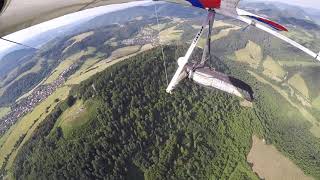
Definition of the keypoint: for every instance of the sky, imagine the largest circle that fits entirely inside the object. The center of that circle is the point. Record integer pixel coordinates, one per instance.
(304, 3)
(24, 34)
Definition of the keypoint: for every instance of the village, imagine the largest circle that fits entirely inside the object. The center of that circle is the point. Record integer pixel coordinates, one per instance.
(27, 104)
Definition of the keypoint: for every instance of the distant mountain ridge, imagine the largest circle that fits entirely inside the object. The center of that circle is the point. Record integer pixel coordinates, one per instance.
(285, 13)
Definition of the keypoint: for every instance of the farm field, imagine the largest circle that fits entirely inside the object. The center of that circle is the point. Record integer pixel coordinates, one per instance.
(299, 84)
(251, 54)
(4, 111)
(76, 116)
(67, 63)
(269, 163)
(273, 70)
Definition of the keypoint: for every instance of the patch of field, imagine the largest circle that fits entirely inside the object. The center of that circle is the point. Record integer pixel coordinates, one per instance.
(224, 33)
(221, 34)
(4, 138)
(299, 84)
(78, 38)
(269, 163)
(298, 63)
(303, 101)
(67, 63)
(4, 111)
(112, 42)
(273, 70)
(170, 34)
(100, 66)
(124, 51)
(315, 129)
(196, 26)
(88, 64)
(246, 104)
(28, 124)
(221, 24)
(160, 27)
(316, 103)
(76, 116)
(251, 54)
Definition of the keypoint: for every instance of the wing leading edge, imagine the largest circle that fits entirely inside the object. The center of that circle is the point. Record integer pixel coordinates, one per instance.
(19, 14)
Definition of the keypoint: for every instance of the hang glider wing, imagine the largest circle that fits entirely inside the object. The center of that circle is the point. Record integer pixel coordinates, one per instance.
(266, 21)
(19, 14)
(244, 17)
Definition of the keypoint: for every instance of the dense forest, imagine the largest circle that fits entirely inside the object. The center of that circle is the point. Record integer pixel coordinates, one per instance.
(138, 131)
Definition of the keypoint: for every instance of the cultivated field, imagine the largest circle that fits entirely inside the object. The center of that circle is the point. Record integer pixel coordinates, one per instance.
(170, 34)
(4, 111)
(78, 38)
(269, 163)
(316, 103)
(124, 51)
(273, 70)
(251, 54)
(299, 84)
(67, 63)
(76, 116)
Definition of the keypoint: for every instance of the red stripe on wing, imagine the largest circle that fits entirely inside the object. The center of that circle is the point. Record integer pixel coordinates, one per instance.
(211, 3)
(275, 25)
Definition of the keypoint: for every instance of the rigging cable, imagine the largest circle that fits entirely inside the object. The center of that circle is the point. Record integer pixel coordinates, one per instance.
(20, 44)
(162, 51)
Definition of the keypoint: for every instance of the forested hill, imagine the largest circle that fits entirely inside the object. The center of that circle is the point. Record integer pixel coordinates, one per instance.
(134, 130)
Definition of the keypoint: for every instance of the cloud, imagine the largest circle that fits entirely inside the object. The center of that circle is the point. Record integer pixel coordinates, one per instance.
(30, 32)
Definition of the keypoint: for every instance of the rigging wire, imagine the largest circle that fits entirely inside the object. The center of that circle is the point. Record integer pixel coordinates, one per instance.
(162, 51)
(20, 44)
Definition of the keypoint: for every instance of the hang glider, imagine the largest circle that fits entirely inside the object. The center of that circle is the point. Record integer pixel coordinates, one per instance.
(230, 9)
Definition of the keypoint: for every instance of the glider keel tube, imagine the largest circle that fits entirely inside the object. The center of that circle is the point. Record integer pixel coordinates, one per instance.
(182, 61)
(280, 36)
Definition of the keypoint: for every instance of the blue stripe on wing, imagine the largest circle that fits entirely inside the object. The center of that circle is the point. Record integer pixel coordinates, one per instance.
(196, 3)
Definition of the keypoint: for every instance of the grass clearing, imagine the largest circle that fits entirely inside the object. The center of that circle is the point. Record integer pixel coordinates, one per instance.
(273, 70)
(315, 129)
(67, 63)
(316, 103)
(102, 65)
(4, 111)
(247, 104)
(159, 27)
(125, 51)
(28, 124)
(78, 39)
(299, 84)
(221, 34)
(76, 116)
(170, 34)
(269, 163)
(251, 54)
